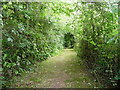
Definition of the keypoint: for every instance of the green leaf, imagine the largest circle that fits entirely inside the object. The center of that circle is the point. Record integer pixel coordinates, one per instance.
(117, 77)
(10, 39)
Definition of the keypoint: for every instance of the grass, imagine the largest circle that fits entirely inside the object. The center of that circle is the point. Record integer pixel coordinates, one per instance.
(60, 71)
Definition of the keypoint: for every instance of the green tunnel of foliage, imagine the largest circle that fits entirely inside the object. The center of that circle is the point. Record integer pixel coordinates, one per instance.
(69, 40)
(33, 32)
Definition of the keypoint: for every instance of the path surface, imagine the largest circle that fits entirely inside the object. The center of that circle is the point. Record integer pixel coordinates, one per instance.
(61, 71)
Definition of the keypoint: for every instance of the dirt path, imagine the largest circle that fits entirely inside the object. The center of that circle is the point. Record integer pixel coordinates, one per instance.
(61, 71)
